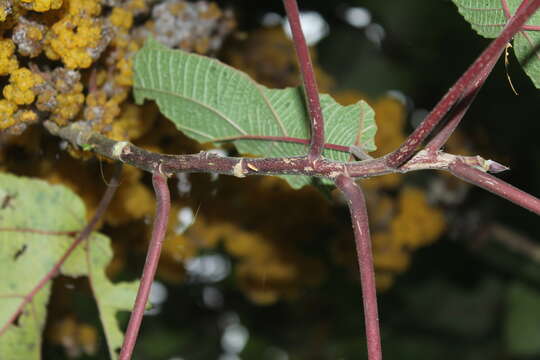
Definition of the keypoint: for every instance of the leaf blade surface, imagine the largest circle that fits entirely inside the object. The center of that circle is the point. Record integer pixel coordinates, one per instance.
(210, 101)
(34, 234)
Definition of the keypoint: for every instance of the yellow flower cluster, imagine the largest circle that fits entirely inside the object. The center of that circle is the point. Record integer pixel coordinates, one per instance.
(414, 224)
(77, 338)
(8, 61)
(21, 86)
(71, 33)
(132, 201)
(4, 11)
(78, 38)
(91, 44)
(19, 91)
(41, 5)
(72, 39)
(121, 18)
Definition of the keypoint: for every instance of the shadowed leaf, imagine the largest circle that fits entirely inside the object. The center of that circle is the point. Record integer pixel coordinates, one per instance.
(36, 229)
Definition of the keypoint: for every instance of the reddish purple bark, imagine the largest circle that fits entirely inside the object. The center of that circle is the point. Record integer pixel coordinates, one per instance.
(163, 206)
(496, 186)
(308, 77)
(360, 224)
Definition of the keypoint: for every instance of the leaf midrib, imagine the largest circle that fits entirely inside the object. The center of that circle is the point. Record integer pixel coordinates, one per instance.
(259, 88)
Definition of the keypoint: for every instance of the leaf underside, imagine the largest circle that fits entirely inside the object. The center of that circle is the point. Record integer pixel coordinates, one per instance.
(487, 18)
(34, 227)
(211, 102)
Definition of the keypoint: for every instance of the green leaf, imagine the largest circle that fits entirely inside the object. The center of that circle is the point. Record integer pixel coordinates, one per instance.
(35, 221)
(522, 329)
(487, 18)
(210, 101)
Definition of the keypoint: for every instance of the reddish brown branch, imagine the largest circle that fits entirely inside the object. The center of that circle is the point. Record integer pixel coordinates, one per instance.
(359, 218)
(472, 78)
(80, 134)
(308, 77)
(495, 185)
(152, 259)
(455, 116)
(83, 235)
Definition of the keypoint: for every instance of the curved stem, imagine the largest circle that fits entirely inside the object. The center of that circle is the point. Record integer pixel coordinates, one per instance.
(308, 77)
(495, 185)
(455, 116)
(152, 259)
(359, 218)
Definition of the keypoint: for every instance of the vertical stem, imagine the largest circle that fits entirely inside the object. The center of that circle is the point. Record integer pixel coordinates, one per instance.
(308, 78)
(495, 185)
(152, 259)
(476, 74)
(359, 218)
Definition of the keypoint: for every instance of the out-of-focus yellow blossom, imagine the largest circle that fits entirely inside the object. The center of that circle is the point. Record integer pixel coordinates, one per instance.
(85, 7)
(245, 244)
(137, 6)
(134, 121)
(21, 86)
(417, 223)
(121, 18)
(7, 109)
(3, 12)
(8, 61)
(388, 254)
(75, 337)
(76, 37)
(101, 111)
(69, 104)
(267, 281)
(132, 200)
(384, 280)
(27, 116)
(125, 72)
(42, 5)
(72, 38)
